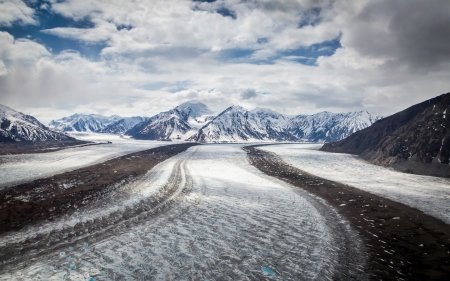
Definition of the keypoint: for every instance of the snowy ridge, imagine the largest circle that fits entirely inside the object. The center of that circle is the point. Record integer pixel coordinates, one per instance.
(16, 126)
(83, 123)
(123, 125)
(177, 123)
(237, 124)
(194, 121)
(326, 126)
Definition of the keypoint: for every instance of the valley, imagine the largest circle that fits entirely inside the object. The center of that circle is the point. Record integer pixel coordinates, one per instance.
(223, 140)
(220, 211)
(243, 195)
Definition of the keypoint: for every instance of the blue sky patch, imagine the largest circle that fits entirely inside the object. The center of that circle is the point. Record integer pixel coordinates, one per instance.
(311, 17)
(308, 55)
(48, 20)
(263, 40)
(226, 12)
(234, 54)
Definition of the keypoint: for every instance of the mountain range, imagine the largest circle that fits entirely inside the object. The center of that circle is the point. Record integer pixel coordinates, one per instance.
(16, 126)
(237, 124)
(83, 123)
(415, 140)
(194, 121)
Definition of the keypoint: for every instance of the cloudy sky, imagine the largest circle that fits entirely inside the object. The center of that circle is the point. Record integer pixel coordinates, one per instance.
(140, 57)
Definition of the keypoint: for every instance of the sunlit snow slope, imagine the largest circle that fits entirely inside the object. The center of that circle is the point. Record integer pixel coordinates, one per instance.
(428, 194)
(229, 222)
(23, 167)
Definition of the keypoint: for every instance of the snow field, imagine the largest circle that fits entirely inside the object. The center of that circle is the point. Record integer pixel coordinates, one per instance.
(428, 194)
(25, 167)
(231, 222)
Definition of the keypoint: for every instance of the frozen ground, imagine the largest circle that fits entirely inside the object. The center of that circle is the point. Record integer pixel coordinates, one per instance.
(19, 168)
(428, 194)
(228, 222)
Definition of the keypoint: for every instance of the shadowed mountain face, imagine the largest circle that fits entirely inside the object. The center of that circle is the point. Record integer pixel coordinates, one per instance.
(16, 126)
(415, 140)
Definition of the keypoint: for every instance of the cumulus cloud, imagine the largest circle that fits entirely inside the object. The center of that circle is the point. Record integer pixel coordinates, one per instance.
(20, 49)
(3, 69)
(163, 24)
(103, 31)
(412, 33)
(15, 11)
(160, 53)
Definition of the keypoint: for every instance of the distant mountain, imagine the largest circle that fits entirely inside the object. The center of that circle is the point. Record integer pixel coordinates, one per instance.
(123, 125)
(326, 126)
(415, 140)
(83, 123)
(192, 110)
(16, 126)
(194, 121)
(177, 123)
(237, 124)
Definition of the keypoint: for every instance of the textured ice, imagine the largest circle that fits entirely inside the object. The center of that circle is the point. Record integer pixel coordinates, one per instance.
(231, 222)
(24, 167)
(428, 194)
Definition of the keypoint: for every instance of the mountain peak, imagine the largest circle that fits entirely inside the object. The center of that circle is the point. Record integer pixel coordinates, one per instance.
(193, 109)
(237, 107)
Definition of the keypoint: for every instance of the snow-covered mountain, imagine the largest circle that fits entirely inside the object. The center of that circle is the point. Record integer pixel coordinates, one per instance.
(194, 121)
(83, 122)
(16, 126)
(327, 127)
(239, 124)
(123, 125)
(177, 123)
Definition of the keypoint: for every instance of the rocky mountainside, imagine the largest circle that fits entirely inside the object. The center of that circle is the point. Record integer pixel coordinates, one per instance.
(83, 123)
(237, 124)
(415, 140)
(16, 126)
(177, 123)
(327, 127)
(123, 125)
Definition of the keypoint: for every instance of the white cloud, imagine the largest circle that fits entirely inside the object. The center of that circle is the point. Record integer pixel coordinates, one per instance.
(3, 69)
(15, 11)
(171, 54)
(164, 24)
(21, 49)
(103, 31)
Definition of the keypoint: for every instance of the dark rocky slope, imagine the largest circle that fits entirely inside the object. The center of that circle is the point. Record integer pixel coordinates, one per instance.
(415, 140)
